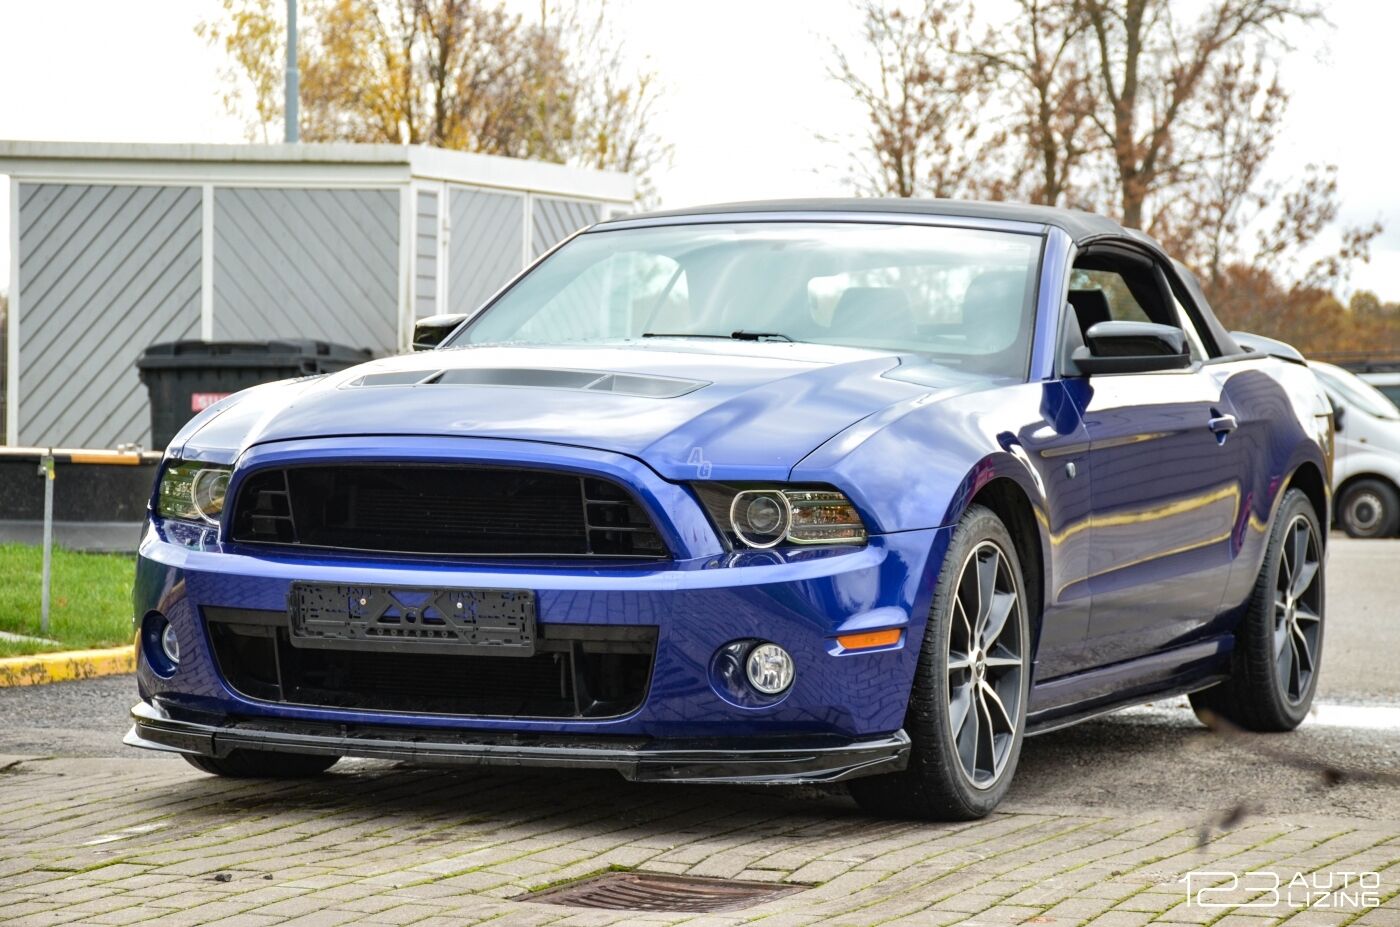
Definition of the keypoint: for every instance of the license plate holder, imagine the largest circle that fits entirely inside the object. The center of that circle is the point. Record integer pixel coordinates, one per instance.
(496, 622)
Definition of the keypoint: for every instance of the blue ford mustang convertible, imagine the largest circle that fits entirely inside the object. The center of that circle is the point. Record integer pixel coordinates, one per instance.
(812, 491)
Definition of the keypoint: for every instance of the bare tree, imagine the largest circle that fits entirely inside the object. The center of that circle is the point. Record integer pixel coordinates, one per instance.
(1206, 213)
(1037, 69)
(1303, 214)
(1114, 104)
(1219, 191)
(921, 121)
(1150, 72)
(614, 99)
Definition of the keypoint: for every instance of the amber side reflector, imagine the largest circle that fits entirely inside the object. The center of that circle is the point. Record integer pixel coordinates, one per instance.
(868, 639)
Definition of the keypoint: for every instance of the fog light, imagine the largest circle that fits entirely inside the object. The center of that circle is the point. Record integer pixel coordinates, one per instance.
(170, 644)
(769, 668)
(159, 645)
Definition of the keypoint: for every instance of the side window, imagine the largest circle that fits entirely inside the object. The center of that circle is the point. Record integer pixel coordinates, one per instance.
(1110, 283)
(1122, 305)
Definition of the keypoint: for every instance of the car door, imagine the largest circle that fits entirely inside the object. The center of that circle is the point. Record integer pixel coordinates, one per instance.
(1164, 491)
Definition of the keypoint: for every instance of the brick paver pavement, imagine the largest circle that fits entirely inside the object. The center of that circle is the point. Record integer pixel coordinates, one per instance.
(102, 841)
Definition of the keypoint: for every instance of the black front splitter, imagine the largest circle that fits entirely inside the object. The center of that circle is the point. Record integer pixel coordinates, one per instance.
(777, 760)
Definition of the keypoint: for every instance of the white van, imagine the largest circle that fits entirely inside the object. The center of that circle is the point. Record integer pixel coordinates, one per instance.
(1366, 469)
(1385, 380)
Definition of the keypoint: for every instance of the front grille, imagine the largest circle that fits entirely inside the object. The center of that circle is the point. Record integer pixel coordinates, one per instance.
(447, 510)
(577, 671)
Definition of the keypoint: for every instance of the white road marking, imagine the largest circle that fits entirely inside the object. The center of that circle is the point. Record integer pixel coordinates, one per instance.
(1359, 717)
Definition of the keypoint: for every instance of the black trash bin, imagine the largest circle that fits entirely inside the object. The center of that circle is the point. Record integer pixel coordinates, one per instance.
(185, 377)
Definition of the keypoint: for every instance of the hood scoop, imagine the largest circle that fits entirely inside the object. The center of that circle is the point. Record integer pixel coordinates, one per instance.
(597, 381)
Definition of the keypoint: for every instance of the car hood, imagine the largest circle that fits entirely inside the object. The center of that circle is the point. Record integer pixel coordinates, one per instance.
(686, 407)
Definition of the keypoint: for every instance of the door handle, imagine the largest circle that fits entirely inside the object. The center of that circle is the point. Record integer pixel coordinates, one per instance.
(1222, 425)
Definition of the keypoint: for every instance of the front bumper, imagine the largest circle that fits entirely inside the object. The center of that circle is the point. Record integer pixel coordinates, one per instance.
(771, 761)
(691, 606)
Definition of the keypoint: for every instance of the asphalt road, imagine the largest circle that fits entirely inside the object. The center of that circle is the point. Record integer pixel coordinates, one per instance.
(1345, 760)
(1362, 648)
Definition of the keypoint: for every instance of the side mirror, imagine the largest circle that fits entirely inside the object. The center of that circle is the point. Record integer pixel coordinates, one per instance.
(1339, 415)
(1132, 347)
(429, 331)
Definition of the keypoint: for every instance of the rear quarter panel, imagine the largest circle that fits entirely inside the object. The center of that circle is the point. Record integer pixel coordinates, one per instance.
(1285, 423)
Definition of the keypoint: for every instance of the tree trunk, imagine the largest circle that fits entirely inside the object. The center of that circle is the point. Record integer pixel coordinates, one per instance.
(1132, 203)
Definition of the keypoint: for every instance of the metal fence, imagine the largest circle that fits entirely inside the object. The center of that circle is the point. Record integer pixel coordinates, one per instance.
(37, 471)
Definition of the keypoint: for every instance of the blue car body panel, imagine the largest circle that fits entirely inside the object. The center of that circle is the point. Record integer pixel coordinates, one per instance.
(801, 605)
(1149, 528)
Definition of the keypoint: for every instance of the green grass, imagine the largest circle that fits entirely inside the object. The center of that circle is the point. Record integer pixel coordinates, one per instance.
(90, 599)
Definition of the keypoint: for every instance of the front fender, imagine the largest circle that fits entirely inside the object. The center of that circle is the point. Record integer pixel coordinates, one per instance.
(920, 464)
(922, 468)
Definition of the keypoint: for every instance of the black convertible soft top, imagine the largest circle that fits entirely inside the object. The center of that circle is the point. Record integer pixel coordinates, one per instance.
(1083, 228)
(1079, 225)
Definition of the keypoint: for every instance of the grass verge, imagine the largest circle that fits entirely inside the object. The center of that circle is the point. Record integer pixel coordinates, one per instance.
(90, 599)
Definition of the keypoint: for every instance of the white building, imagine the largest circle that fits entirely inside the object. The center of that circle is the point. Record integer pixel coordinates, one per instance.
(119, 246)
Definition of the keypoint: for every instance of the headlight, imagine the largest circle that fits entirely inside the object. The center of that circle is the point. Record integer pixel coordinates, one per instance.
(762, 517)
(823, 516)
(193, 491)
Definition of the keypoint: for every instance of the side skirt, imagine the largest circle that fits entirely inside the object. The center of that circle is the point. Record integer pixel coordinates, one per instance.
(1068, 700)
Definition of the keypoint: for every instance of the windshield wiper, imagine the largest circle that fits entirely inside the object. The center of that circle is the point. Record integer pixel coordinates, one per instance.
(759, 336)
(732, 336)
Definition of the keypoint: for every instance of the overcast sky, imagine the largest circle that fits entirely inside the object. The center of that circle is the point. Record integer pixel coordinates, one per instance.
(746, 95)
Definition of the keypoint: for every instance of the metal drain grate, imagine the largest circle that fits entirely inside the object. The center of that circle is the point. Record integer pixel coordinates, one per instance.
(650, 891)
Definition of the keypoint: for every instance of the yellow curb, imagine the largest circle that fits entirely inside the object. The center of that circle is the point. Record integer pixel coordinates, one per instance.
(40, 668)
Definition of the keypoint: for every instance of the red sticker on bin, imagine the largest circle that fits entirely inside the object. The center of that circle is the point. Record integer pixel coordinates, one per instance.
(201, 401)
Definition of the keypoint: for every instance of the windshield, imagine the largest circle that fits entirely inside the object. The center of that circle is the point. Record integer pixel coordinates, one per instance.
(1354, 391)
(963, 296)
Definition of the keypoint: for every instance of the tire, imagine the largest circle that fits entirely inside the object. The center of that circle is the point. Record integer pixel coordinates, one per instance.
(942, 781)
(1369, 508)
(1278, 647)
(262, 764)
